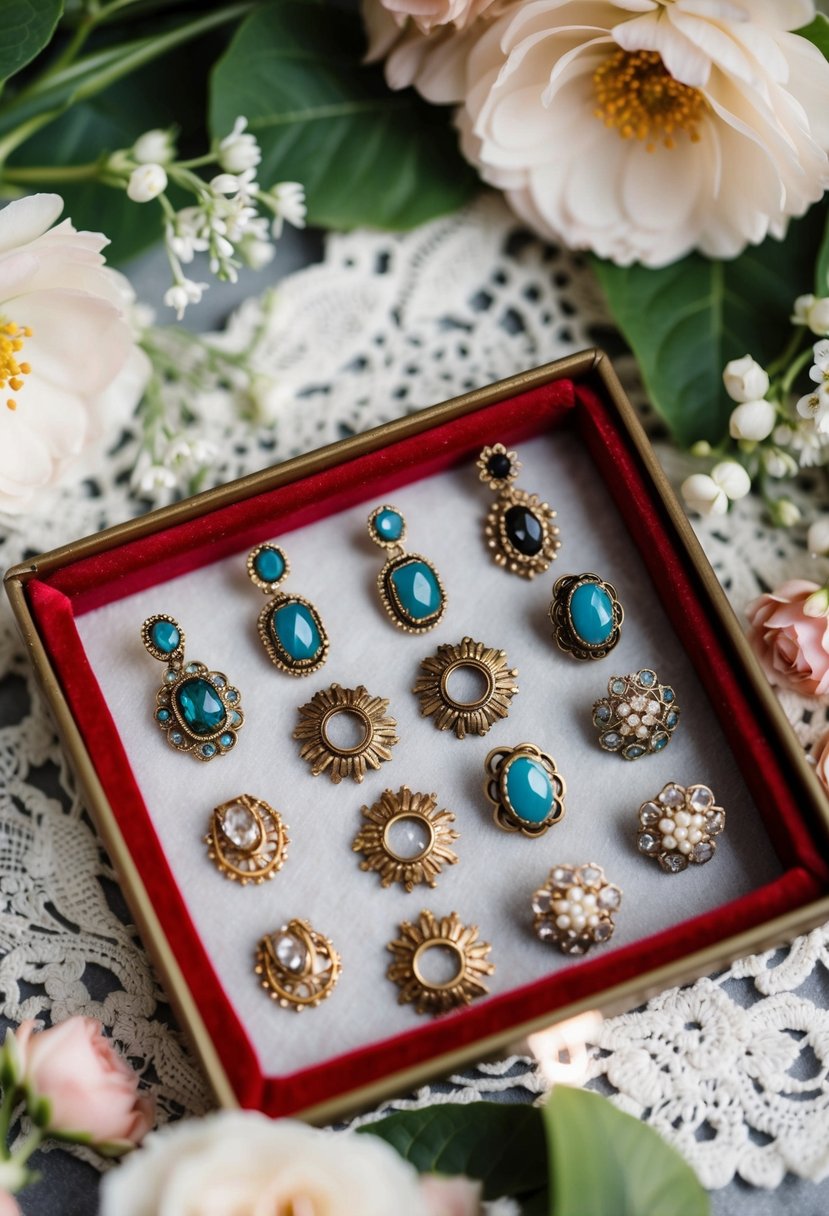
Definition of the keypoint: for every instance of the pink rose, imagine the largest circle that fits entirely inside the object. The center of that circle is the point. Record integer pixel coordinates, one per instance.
(792, 646)
(92, 1094)
(451, 1196)
(819, 756)
(8, 1205)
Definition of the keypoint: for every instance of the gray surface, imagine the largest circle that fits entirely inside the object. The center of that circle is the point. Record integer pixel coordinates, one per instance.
(68, 1187)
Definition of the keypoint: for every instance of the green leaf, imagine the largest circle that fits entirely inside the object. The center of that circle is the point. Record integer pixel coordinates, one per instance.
(365, 155)
(25, 29)
(501, 1144)
(114, 119)
(817, 31)
(686, 321)
(606, 1163)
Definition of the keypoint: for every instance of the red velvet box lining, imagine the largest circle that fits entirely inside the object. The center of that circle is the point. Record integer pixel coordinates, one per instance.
(88, 583)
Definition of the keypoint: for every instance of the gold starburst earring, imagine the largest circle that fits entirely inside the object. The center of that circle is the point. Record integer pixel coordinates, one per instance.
(498, 685)
(406, 839)
(439, 963)
(324, 753)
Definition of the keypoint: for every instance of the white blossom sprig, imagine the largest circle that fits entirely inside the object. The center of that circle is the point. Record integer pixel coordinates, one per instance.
(232, 221)
(773, 433)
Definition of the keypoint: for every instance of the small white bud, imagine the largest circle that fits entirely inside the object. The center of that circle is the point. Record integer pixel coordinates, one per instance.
(225, 183)
(782, 434)
(818, 316)
(745, 379)
(785, 513)
(817, 538)
(701, 448)
(703, 495)
(154, 147)
(255, 253)
(779, 464)
(802, 304)
(731, 478)
(183, 293)
(239, 150)
(146, 183)
(752, 420)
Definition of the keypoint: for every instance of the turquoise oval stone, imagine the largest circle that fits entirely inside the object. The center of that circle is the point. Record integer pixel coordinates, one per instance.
(591, 611)
(165, 637)
(296, 631)
(200, 706)
(529, 789)
(388, 524)
(269, 565)
(417, 590)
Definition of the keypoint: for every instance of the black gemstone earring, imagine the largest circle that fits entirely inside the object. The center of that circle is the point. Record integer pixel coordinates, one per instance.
(519, 528)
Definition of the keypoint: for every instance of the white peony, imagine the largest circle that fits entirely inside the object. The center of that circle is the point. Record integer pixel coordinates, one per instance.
(243, 1163)
(69, 367)
(643, 129)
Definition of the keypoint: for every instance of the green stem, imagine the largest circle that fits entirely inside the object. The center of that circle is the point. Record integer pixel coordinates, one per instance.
(794, 371)
(197, 161)
(6, 1110)
(793, 346)
(35, 174)
(73, 47)
(23, 1154)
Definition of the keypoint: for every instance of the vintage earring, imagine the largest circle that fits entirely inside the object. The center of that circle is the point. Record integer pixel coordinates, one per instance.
(197, 709)
(289, 626)
(678, 827)
(409, 585)
(574, 909)
(519, 528)
(448, 941)
(405, 838)
(586, 616)
(247, 840)
(499, 684)
(639, 715)
(377, 732)
(297, 966)
(525, 788)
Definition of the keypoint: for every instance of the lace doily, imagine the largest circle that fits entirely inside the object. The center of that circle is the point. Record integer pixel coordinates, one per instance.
(731, 1069)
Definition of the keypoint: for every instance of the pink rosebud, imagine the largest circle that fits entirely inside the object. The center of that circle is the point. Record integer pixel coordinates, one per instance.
(792, 646)
(92, 1094)
(9, 1205)
(451, 1196)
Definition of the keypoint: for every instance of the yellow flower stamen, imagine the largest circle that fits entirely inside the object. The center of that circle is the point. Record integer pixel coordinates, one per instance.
(636, 94)
(12, 370)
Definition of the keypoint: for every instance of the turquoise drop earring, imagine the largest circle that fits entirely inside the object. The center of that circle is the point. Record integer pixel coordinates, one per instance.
(290, 627)
(409, 585)
(198, 710)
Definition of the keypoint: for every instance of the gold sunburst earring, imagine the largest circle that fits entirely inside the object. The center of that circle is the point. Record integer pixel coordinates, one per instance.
(198, 710)
(247, 840)
(376, 737)
(297, 966)
(498, 685)
(519, 529)
(290, 627)
(439, 963)
(406, 839)
(410, 588)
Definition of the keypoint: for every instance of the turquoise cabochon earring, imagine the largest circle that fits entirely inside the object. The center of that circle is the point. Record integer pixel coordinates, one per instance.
(409, 585)
(199, 711)
(289, 626)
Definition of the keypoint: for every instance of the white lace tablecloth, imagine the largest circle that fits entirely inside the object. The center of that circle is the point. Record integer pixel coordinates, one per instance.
(731, 1069)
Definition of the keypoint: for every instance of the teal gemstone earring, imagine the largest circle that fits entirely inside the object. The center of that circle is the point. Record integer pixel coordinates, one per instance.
(198, 710)
(409, 585)
(290, 627)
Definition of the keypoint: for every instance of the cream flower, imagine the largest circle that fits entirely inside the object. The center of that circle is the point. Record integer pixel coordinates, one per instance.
(643, 129)
(428, 53)
(69, 367)
(244, 1163)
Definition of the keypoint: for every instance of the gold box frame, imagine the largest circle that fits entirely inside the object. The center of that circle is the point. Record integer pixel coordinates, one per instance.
(591, 367)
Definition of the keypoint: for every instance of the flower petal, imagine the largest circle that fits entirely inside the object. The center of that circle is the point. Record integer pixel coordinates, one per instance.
(25, 219)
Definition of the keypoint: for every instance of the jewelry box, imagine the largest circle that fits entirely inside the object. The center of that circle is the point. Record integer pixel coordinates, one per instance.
(81, 608)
